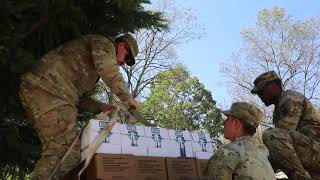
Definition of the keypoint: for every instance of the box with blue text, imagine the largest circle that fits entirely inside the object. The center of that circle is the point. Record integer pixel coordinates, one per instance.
(180, 144)
(133, 140)
(157, 140)
(111, 144)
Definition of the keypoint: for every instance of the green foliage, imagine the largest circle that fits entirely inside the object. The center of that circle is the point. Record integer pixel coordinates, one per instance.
(29, 29)
(179, 101)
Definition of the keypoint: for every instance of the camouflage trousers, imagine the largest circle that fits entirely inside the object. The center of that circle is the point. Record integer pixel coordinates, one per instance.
(56, 130)
(293, 152)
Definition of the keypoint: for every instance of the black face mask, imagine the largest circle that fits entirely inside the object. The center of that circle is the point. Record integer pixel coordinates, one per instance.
(129, 60)
(260, 93)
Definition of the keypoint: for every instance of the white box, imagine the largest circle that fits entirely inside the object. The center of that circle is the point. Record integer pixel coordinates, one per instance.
(202, 146)
(178, 148)
(128, 128)
(201, 136)
(134, 144)
(97, 125)
(177, 134)
(156, 132)
(203, 155)
(112, 143)
(158, 147)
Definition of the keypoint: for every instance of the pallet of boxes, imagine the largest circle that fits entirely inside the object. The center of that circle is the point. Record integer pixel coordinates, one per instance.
(132, 152)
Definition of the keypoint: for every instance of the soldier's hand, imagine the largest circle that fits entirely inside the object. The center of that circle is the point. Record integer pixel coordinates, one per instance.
(133, 104)
(107, 108)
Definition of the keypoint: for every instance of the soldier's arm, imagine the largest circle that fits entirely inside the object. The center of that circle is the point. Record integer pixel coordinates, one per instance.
(104, 58)
(92, 105)
(222, 165)
(89, 104)
(290, 113)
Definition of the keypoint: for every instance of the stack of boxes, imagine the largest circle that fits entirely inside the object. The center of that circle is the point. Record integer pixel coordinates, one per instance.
(202, 146)
(151, 152)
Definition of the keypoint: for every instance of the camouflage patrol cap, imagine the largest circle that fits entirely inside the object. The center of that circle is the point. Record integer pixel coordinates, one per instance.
(263, 79)
(131, 41)
(246, 112)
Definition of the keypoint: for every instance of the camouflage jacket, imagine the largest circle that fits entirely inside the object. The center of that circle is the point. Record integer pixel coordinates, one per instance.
(71, 70)
(295, 112)
(240, 160)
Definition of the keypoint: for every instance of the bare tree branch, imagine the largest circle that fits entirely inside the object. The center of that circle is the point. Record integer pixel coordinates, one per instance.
(157, 48)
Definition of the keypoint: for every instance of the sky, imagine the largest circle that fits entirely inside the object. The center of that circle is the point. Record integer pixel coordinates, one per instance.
(223, 21)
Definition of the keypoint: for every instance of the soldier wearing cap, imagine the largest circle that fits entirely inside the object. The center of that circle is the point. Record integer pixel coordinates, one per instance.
(240, 159)
(294, 143)
(53, 91)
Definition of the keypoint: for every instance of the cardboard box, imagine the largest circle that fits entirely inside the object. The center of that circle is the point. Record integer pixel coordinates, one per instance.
(157, 141)
(158, 147)
(132, 143)
(201, 136)
(131, 128)
(181, 168)
(133, 140)
(180, 148)
(97, 125)
(156, 132)
(177, 135)
(202, 146)
(203, 155)
(150, 168)
(202, 169)
(112, 167)
(112, 143)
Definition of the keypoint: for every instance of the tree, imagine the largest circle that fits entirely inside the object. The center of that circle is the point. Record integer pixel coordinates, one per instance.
(29, 29)
(280, 43)
(179, 101)
(157, 47)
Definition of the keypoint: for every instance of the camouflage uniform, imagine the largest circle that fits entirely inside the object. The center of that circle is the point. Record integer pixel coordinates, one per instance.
(294, 143)
(52, 92)
(241, 159)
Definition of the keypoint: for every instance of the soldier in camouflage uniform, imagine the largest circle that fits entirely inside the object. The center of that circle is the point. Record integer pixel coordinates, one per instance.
(52, 92)
(294, 143)
(240, 159)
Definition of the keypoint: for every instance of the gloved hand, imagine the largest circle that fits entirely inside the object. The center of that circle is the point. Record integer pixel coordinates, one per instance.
(133, 104)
